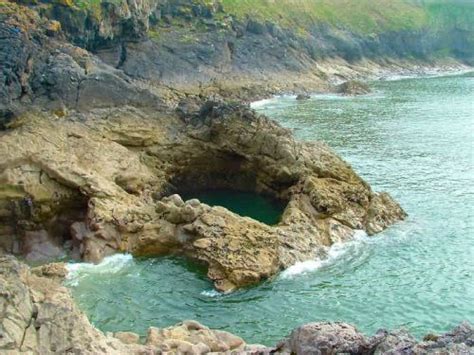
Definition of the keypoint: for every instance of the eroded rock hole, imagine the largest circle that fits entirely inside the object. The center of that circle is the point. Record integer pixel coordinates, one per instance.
(244, 203)
(229, 180)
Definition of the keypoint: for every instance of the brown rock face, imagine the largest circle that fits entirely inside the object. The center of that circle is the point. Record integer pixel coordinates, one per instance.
(96, 186)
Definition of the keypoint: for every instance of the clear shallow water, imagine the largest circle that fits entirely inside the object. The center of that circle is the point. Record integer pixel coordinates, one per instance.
(243, 203)
(413, 138)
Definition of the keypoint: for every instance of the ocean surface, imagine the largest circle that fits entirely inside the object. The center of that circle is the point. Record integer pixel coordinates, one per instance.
(413, 138)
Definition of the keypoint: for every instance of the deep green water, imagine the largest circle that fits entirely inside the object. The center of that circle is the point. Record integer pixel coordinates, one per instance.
(413, 138)
(243, 203)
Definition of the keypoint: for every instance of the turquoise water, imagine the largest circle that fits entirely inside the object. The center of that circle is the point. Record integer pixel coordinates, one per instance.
(246, 204)
(413, 138)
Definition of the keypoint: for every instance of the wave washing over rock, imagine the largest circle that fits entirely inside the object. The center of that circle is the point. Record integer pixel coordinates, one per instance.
(111, 265)
(332, 254)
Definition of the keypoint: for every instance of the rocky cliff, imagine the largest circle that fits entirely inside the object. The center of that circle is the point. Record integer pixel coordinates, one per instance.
(223, 48)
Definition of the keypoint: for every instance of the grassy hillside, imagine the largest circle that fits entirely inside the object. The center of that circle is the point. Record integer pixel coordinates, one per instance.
(449, 14)
(364, 16)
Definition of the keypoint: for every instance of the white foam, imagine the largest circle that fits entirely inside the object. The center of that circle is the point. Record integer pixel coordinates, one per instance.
(260, 103)
(333, 253)
(426, 73)
(301, 267)
(266, 102)
(110, 265)
(211, 293)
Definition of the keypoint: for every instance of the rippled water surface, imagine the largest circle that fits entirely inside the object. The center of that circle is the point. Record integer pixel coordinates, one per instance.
(413, 138)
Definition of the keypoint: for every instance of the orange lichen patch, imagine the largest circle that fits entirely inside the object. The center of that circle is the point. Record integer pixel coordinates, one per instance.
(19, 17)
(68, 3)
(53, 26)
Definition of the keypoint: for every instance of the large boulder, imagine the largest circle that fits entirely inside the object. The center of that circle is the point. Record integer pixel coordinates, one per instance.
(325, 339)
(353, 88)
(335, 338)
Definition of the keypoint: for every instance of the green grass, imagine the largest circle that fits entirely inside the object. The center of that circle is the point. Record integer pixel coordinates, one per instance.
(449, 14)
(364, 16)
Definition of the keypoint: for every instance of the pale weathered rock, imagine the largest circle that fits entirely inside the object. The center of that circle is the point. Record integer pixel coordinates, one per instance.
(38, 316)
(336, 338)
(100, 188)
(194, 338)
(127, 337)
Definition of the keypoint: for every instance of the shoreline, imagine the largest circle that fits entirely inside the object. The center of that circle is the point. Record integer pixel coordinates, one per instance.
(388, 75)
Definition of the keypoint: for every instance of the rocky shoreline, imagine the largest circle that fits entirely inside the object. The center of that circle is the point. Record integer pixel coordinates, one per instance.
(39, 317)
(100, 137)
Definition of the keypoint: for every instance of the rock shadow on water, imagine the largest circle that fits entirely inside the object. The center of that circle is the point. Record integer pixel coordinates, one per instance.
(246, 204)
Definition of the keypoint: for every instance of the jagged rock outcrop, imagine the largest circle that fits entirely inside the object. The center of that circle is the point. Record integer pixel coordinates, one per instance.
(190, 45)
(97, 183)
(40, 69)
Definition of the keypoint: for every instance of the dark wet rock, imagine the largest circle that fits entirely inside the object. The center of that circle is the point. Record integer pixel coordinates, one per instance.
(353, 88)
(303, 97)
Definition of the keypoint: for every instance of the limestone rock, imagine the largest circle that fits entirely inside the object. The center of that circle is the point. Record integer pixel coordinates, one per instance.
(194, 338)
(107, 181)
(38, 316)
(127, 337)
(334, 338)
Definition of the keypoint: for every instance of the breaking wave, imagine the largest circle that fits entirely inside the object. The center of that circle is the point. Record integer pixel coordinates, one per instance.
(110, 265)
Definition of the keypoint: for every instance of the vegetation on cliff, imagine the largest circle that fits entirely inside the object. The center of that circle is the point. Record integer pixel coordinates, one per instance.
(366, 16)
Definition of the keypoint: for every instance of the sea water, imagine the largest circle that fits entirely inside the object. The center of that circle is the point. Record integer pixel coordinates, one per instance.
(412, 138)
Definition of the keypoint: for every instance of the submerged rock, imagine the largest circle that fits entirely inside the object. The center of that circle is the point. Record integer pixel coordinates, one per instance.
(353, 87)
(302, 97)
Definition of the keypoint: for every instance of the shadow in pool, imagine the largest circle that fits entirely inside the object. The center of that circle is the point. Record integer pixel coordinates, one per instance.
(247, 204)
